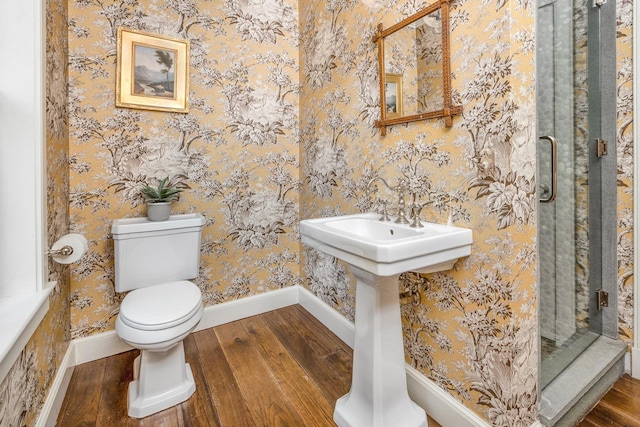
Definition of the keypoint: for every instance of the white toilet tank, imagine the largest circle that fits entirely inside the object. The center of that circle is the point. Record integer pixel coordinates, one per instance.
(148, 253)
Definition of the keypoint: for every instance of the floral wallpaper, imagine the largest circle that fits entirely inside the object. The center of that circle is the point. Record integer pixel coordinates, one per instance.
(624, 145)
(475, 331)
(235, 153)
(24, 389)
(284, 96)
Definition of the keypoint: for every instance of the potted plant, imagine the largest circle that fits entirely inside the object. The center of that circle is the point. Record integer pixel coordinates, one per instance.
(159, 200)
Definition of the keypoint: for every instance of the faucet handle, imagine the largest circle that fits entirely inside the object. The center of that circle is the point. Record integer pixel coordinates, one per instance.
(385, 213)
(415, 215)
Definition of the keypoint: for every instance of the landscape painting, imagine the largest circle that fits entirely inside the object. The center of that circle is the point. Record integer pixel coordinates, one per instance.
(152, 72)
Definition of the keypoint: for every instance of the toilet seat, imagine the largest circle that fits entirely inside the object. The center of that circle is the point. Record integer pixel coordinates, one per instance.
(158, 317)
(161, 306)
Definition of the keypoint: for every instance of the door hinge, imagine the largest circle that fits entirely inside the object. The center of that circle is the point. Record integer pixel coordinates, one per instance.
(603, 299)
(601, 147)
(599, 3)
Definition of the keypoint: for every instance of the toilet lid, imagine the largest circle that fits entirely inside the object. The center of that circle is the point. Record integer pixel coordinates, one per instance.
(160, 306)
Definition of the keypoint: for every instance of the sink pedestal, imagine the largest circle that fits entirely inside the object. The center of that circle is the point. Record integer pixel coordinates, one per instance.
(378, 252)
(378, 395)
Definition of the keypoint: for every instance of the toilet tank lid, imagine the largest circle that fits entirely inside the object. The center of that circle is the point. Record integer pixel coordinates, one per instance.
(142, 224)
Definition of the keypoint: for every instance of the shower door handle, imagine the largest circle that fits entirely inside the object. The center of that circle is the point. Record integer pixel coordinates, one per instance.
(554, 169)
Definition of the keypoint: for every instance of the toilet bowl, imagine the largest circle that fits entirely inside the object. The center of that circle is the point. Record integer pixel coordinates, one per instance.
(156, 320)
(161, 309)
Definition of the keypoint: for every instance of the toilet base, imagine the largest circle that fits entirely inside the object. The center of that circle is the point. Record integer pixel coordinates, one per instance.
(161, 380)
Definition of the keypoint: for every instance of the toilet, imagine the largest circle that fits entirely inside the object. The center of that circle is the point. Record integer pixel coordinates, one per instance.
(153, 260)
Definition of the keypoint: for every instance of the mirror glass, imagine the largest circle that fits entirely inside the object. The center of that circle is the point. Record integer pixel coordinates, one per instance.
(413, 68)
(415, 80)
(429, 63)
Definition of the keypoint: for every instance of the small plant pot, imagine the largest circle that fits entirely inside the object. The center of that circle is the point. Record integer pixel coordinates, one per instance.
(158, 211)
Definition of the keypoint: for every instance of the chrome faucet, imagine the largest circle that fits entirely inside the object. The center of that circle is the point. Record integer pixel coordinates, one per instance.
(402, 215)
(374, 179)
(400, 189)
(415, 210)
(415, 215)
(385, 212)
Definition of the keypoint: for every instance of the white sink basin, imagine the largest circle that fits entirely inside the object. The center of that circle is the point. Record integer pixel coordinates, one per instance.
(378, 252)
(385, 248)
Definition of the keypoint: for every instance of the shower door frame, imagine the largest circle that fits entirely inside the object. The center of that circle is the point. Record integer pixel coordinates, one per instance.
(603, 197)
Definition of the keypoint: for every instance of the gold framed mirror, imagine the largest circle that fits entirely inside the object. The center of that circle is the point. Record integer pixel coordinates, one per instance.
(415, 68)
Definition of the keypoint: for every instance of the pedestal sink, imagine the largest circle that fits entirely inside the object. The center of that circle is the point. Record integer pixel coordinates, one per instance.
(378, 252)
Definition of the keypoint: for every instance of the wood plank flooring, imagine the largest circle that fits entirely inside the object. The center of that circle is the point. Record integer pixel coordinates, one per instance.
(620, 407)
(281, 368)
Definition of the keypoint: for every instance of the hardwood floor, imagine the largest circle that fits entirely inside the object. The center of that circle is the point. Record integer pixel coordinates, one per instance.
(620, 407)
(281, 368)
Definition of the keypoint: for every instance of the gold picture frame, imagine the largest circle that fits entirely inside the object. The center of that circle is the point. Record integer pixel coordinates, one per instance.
(152, 72)
(393, 95)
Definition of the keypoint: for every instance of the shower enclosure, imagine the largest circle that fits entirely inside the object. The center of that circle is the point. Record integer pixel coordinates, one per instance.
(575, 69)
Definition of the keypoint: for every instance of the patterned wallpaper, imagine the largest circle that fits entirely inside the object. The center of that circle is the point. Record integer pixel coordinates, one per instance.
(475, 332)
(624, 53)
(253, 167)
(235, 153)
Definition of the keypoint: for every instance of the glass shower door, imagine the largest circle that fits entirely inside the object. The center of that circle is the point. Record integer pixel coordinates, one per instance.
(562, 67)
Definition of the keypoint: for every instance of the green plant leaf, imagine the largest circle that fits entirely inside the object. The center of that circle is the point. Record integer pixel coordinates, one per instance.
(160, 193)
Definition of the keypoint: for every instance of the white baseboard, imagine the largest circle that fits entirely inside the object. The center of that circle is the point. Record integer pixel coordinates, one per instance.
(108, 343)
(53, 403)
(635, 362)
(97, 346)
(439, 404)
(334, 321)
(246, 307)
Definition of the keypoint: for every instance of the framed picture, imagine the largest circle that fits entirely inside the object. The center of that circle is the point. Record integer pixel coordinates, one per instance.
(393, 94)
(152, 72)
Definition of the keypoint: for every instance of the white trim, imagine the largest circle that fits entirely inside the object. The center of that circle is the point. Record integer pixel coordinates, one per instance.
(105, 344)
(23, 287)
(334, 321)
(97, 346)
(20, 315)
(635, 351)
(439, 404)
(53, 403)
(245, 307)
(21, 150)
(39, 163)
